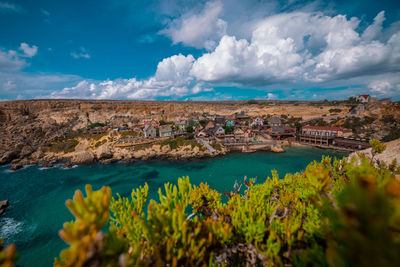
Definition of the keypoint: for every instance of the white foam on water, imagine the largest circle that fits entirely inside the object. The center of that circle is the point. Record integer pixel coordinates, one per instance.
(10, 227)
(13, 230)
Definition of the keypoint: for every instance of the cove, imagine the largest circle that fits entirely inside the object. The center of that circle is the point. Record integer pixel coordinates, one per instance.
(37, 196)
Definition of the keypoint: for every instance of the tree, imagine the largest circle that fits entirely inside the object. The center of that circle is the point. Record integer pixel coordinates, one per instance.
(377, 147)
(189, 129)
(228, 129)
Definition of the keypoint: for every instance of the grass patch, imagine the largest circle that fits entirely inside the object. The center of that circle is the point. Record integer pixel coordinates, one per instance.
(96, 124)
(128, 133)
(174, 143)
(66, 146)
(99, 143)
(86, 136)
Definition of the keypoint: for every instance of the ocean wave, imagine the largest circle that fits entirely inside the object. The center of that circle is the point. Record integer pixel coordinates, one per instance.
(14, 230)
(10, 227)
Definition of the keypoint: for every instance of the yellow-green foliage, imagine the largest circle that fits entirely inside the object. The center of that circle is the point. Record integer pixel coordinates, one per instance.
(66, 146)
(377, 146)
(174, 143)
(165, 235)
(7, 255)
(335, 212)
(205, 200)
(83, 235)
(128, 133)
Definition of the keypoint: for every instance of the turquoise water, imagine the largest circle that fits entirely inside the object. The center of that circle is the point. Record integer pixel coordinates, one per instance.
(37, 196)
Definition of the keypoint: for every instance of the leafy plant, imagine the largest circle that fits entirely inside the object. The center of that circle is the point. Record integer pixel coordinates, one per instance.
(335, 212)
(7, 254)
(377, 147)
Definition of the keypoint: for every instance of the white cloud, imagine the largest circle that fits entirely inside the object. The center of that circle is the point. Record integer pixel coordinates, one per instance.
(171, 79)
(14, 81)
(297, 48)
(11, 7)
(29, 51)
(271, 96)
(375, 29)
(82, 53)
(388, 86)
(198, 30)
(10, 61)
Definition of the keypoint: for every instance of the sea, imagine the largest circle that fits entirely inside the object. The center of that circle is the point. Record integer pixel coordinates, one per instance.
(37, 195)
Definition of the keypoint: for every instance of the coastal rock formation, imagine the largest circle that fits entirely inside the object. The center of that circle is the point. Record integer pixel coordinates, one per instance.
(104, 152)
(3, 205)
(392, 152)
(81, 157)
(29, 128)
(277, 149)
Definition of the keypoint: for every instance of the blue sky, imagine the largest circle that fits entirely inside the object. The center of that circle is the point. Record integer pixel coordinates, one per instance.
(200, 50)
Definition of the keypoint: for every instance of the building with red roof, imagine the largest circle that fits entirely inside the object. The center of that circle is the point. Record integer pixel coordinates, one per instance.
(363, 98)
(326, 131)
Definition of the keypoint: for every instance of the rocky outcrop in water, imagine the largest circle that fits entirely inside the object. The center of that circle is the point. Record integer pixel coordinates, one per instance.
(3, 206)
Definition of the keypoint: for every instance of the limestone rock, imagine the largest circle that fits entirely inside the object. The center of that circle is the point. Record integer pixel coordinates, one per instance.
(277, 149)
(8, 157)
(392, 152)
(104, 152)
(3, 205)
(82, 157)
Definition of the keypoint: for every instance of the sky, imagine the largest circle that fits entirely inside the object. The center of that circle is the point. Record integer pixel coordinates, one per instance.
(199, 50)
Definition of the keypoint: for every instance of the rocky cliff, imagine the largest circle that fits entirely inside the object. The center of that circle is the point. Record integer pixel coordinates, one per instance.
(27, 128)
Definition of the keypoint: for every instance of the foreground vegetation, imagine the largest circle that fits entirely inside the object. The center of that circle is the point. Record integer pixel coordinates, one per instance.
(334, 213)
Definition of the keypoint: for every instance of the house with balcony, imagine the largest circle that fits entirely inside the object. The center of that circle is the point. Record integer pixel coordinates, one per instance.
(323, 135)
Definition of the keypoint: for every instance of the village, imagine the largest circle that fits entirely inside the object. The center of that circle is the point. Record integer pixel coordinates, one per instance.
(241, 132)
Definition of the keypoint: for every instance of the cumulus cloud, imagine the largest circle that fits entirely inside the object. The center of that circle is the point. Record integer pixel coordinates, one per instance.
(29, 51)
(389, 86)
(305, 48)
(14, 81)
(12, 61)
(300, 46)
(171, 79)
(198, 30)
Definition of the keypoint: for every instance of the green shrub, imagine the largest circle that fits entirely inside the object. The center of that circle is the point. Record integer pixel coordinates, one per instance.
(128, 133)
(66, 146)
(335, 212)
(96, 124)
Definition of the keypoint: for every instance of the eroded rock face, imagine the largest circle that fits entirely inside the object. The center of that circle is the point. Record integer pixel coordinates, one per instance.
(3, 206)
(277, 149)
(104, 152)
(26, 127)
(82, 157)
(392, 152)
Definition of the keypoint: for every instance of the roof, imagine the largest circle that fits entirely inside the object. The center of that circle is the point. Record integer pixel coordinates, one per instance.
(365, 96)
(274, 120)
(219, 128)
(165, 129)
(327, 128)
(147, 127)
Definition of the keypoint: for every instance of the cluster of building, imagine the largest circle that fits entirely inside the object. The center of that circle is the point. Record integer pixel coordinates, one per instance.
(242, 129)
